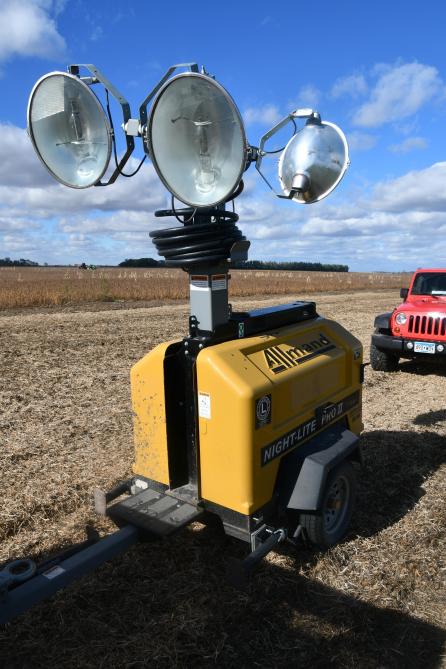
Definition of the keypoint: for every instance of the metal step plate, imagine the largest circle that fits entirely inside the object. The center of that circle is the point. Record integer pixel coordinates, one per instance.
(155, 512)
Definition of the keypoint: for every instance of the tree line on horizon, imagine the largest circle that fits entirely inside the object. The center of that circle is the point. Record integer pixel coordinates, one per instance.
(22, 262)
(293, 266)
(250, 264)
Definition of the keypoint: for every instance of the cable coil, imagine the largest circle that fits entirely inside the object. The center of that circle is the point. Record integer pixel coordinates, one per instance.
(197, 243)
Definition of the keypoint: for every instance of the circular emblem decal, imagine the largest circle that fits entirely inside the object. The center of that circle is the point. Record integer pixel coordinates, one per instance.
(263, 410)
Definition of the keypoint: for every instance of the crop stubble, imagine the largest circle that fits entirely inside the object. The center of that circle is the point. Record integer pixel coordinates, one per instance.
(55, 286)
(377, 600)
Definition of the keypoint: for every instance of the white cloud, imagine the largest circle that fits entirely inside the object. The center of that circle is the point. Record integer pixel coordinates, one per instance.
(400, 91)
(360, 141)
(353, 85)
(421, 190)
(28, 29)
(26, 186)
(409, 144)
(96, 33)
(12, 224)
(32, 201)
(308, 96)
(392, 227)
(267, 115)
(20, 165)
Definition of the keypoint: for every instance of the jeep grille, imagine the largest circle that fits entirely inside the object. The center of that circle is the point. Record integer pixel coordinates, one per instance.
(427, 325)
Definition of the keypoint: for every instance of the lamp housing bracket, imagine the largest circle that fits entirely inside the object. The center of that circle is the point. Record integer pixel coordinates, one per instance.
(260, 153)
(98, 77)
(192, 67)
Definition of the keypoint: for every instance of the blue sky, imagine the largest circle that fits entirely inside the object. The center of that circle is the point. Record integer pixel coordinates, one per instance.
(377, 70)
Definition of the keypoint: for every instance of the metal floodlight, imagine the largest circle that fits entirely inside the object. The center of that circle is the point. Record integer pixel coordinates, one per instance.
(314, 160)
(69, 130)
(196, 140)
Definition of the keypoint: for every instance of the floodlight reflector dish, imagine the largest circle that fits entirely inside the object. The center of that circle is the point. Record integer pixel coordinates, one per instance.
(69, 130)
(313, 162)
(197, 140)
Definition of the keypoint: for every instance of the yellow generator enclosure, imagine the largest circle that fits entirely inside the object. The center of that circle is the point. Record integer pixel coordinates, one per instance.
(260, 398)
(226, 421)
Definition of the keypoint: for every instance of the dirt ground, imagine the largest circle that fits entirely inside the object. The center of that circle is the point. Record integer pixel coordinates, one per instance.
(377, 600)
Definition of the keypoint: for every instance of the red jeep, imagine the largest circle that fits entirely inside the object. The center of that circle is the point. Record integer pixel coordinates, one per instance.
(417, 327)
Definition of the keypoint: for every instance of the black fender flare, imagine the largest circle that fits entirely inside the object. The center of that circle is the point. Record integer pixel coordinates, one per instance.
(300, 483)
(382, 322)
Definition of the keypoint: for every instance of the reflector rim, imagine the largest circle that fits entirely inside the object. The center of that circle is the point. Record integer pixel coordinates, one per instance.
(149, 142)
(32, 138)
(343, 171)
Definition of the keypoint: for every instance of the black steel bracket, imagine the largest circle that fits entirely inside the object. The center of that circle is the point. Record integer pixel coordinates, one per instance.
(98, 77)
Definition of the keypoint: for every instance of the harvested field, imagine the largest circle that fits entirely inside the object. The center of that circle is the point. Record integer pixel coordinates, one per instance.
(46, 287)
(376, 601)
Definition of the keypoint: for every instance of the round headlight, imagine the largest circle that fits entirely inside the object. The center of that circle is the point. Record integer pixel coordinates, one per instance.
(440, 348)
(69, 130)
(197, 140)
(313, 162)
(401, 318)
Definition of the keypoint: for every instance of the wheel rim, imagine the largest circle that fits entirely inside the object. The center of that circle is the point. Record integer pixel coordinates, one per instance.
(336, 504)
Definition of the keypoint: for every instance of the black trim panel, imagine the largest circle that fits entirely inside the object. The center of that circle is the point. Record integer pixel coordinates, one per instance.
(382, 322)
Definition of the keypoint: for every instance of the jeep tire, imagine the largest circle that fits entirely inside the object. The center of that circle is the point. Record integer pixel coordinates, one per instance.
(382, 361)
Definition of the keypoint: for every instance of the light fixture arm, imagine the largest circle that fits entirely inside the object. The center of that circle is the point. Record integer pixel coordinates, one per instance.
(192, 67)
(258, 154)
(98, 77)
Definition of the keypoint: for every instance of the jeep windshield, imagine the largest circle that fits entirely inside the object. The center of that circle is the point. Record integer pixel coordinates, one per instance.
(429, 283)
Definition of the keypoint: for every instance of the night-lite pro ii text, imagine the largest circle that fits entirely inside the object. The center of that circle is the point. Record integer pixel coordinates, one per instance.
(252, 419)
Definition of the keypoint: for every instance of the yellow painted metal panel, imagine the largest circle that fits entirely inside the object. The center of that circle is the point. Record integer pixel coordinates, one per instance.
(302, 367)
(149, 416)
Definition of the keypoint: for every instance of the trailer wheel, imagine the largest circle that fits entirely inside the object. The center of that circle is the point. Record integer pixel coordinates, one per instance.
(382, 361)
(331, 525)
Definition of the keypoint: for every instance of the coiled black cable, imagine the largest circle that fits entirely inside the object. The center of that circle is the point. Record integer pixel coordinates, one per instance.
(207, 236)
(198, 243)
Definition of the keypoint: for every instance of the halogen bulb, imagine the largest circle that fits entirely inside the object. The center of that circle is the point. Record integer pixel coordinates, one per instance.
(206, 174)
(76, 120)
(81, 146)
(87, 164)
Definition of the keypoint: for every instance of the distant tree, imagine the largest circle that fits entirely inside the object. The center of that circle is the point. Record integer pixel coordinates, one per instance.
(291, 266)
(250, 264)
(23, 262)
(141, 262)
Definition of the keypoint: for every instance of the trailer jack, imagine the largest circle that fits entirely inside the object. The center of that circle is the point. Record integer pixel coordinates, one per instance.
(239, 571)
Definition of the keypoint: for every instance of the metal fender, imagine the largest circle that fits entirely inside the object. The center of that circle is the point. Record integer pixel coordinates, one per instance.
(302, 476)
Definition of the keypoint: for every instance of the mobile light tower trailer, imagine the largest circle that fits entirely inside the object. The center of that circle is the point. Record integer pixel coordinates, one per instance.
(253, 417)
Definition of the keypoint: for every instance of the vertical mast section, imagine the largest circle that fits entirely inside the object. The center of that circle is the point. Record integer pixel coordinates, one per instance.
(203, 247)
(208, 241)
(208, 290)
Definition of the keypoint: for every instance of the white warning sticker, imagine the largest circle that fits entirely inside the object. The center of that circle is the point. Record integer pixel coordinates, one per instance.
(219, 282)
(199, 281)
(204, 405)
(53, 572)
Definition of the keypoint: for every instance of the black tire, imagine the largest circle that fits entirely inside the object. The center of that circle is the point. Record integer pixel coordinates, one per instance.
(382, 361)
(330, 526)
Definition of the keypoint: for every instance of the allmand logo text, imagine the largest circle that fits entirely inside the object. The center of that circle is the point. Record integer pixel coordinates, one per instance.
(282, 357)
